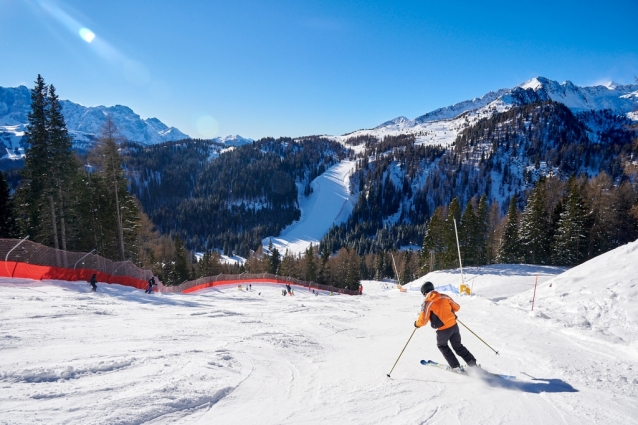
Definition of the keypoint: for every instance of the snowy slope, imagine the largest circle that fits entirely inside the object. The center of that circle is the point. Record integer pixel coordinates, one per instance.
(330, 203)
(599, 297)
(120, 356)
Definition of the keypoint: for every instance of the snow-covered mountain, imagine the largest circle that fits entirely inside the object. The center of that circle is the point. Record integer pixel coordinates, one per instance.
(442, 125)
(83, 122)
(232, 140)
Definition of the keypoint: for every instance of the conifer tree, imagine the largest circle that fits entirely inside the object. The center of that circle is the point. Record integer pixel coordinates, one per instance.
(117, 216)
(494, 232)
(287, 265)
(274, 261)
(37, 160)
(364, 271)
(433, 240)
(48, 195)
(379, 266)
(509, 249)
(311, 265)
(602, 215)
(407, 274)
(467, 235)
(570, 242)
(209, 264)
(353, 270)
(533, 234)
(7, 216)
(64, 172)
(481, 232)
(181, 271)
(449, 255)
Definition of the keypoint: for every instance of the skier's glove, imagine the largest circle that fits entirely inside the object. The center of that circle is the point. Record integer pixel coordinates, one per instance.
(415, 325)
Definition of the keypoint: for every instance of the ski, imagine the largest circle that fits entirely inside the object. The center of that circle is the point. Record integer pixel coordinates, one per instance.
(463, 370)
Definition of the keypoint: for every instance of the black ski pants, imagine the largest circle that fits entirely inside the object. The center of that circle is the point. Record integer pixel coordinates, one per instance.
(453, 335)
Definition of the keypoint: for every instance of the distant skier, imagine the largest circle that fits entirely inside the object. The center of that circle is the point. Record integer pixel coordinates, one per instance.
(250, 286)
(289, 289)
(151, 283)
(439, 310)
(360, 289)
(94, 282)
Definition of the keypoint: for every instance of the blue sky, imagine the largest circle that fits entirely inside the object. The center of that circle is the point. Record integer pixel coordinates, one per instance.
(293, 68)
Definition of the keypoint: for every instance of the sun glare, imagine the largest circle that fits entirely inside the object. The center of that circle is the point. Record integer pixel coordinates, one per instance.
(207, 126)
(87, 35)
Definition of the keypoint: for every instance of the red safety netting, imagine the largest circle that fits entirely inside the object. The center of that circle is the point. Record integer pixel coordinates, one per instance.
(26, 259)
(246, 278)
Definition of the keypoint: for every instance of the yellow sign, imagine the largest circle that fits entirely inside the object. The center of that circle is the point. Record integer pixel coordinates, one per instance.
(464, 289)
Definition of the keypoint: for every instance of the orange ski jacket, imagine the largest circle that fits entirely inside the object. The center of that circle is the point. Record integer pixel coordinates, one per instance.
(439, 309)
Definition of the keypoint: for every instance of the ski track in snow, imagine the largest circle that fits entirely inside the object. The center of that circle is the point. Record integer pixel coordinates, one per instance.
(119, 356)
(329, 204)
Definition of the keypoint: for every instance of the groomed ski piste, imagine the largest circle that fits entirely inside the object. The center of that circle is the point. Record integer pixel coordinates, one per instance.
(329, 204)
(224, 356)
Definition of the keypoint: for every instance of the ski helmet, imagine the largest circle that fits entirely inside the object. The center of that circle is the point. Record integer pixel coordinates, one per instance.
(427, 287)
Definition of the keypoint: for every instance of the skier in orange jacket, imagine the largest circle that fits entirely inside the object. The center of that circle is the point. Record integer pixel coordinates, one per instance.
(439, 310)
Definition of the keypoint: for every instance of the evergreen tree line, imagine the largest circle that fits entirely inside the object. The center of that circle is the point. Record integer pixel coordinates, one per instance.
(344, 269)
(63, 202)
(562, 223)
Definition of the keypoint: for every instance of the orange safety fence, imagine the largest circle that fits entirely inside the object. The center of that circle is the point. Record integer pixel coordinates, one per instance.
(245, 278)
(26, 259)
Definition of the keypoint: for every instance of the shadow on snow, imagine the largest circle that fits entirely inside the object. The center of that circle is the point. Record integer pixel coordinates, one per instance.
(536, 386)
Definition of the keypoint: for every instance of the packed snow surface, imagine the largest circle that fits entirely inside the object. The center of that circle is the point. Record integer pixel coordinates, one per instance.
(329, 204)
(224, 356)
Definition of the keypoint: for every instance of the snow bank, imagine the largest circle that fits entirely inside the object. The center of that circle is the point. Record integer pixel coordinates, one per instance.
(600, 296)
(497, 281)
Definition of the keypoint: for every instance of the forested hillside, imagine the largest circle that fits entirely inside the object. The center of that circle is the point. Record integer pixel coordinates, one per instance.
(400, 183)
(227, 200)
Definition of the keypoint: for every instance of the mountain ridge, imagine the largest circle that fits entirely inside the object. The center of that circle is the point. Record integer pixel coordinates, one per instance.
(620, 99)
(83, 122)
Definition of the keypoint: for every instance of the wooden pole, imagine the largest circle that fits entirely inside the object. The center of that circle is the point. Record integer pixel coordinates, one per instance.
(458, 247)
(396, 271)
(534, 297)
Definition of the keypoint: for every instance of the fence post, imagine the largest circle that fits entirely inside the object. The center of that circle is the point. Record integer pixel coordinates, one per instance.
(76, 263)
(123, 262)
(6, 258)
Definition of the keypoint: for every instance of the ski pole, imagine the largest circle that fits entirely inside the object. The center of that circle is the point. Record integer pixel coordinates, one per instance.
(457, 319)
(406, 344)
